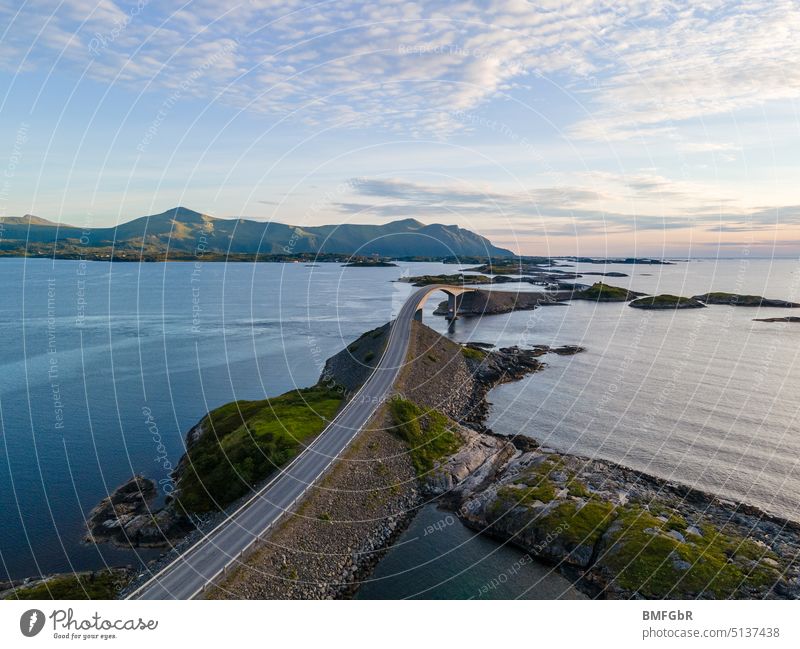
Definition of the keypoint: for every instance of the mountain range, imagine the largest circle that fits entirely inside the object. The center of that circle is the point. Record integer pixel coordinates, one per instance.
(181, 231)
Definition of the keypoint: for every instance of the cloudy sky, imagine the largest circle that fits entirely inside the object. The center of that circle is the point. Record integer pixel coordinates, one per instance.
(582, 127)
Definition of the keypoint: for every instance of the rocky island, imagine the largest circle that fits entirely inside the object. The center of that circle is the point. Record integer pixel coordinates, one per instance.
(666, 302)
(734, 299)
(788, 318)
(369, 263)
(600, 292)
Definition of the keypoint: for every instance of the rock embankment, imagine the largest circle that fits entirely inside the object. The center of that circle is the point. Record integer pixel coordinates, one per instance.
(453, 379)
(353, 365)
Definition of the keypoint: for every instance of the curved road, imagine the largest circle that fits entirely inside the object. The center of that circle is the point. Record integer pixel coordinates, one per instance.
(205, 561)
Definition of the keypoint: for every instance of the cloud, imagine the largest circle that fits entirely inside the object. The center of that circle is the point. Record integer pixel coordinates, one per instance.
(637, 67)
(707, 147)
(693, 60)
(571, 210)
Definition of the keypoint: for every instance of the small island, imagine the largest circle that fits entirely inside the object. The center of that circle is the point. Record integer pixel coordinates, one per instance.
(369, 263)
(734, 299)
(600, 292)
(788, 318)
(666, 302)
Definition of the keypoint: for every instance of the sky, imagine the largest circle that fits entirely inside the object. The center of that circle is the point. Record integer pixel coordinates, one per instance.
(584, 127)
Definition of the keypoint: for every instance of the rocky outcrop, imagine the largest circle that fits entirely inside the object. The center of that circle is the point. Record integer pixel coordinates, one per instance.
(734, 299)
(625, 534)
(89, 584)
(126, 518)
(477, 461)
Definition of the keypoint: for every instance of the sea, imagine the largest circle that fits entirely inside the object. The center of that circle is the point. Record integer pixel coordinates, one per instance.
(104, 367)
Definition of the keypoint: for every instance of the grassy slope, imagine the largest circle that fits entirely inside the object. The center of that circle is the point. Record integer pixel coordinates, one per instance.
(427, 434)
(247, 440)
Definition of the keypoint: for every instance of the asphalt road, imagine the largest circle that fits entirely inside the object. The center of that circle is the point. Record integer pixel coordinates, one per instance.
(203, 562)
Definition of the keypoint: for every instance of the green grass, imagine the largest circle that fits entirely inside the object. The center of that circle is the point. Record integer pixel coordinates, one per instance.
(582, 526)
(543, 492)
(428, 434)
(369, 356)
(720, 564)
(473, 354)
(103, 585)
(245, 441)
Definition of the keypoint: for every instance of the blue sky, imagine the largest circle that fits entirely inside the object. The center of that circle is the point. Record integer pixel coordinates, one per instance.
(566, 128)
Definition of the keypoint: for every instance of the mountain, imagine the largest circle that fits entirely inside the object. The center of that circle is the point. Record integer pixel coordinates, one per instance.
(29, 219)
(184, 231)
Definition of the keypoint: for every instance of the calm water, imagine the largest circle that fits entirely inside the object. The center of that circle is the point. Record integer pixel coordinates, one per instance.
(438, 558)
(705, 397)
(98, 344)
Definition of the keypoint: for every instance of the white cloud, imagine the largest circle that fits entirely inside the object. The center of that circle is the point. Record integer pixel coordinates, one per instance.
(640, 67)
(707, 147)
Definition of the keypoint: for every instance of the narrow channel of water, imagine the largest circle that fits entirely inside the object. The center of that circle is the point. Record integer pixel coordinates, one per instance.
(439, 558)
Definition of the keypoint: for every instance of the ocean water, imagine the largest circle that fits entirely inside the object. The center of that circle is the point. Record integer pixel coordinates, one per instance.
(109, 365)
(104, 367)
(705, 397)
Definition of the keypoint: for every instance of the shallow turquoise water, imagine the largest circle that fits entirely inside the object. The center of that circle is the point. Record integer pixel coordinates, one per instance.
(438, 558)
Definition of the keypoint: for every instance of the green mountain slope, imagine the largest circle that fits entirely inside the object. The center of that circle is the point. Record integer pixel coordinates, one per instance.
(181, 230)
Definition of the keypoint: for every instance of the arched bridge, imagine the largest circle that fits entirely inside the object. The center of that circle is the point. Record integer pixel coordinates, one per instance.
(453, 293)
